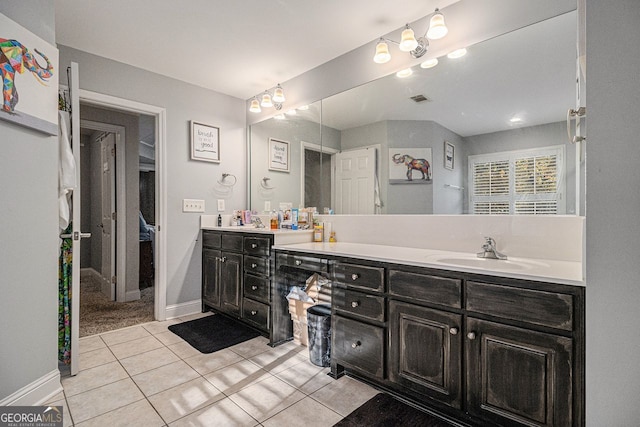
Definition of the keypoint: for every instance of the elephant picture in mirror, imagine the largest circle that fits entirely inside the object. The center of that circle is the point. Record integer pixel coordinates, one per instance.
(504, 101)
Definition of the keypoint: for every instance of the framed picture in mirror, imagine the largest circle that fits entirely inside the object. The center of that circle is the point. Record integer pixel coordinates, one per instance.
(449, 155)
(278, 155)
(410, 166)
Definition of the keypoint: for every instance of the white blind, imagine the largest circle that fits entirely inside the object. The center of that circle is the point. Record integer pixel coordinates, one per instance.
(527, 182)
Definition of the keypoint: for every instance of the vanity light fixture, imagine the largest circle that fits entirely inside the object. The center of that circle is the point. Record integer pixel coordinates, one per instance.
(458, 53)
(417, 47)
(429, 63)
(515, 119)
(267, 100)
(292, 112)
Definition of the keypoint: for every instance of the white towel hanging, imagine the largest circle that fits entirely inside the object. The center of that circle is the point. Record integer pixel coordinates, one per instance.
(66, 170)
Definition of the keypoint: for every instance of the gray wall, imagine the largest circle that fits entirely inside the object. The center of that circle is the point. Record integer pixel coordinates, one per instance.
(613, 203)
(185, 178)
(29, 234)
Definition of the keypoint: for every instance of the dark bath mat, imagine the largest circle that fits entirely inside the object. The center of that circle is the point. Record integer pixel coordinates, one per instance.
(382, 410)
(213, 333)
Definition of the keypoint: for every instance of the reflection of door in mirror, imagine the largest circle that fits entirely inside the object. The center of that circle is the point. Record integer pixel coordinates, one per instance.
(355, 181)
(317, 177)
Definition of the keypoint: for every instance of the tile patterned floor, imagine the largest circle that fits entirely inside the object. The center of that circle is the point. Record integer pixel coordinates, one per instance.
(147, 376)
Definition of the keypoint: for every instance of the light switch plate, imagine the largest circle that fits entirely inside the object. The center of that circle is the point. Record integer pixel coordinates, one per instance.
(192, 205)
(220, 205)
(267, 205)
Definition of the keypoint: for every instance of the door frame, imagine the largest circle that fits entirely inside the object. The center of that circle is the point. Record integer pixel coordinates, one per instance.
(107, 101)
(319, 148)
(121, 202)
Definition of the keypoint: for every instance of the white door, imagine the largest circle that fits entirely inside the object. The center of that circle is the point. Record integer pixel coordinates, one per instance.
(355, 181)
(107, 157)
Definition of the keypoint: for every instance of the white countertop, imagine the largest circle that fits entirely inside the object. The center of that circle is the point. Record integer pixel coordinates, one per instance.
(281, 236)
(562, 272)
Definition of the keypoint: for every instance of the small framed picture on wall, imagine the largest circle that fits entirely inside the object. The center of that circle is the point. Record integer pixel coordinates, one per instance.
(449, 155)
(205, 142)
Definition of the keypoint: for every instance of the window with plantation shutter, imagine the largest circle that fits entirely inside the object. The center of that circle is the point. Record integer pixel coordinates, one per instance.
(527, 182)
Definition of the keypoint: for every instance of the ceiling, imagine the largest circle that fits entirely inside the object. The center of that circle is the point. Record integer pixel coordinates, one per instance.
(239, 48)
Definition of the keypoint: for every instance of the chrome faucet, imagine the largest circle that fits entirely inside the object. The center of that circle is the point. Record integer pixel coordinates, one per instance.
(257, 222)
(489, 250)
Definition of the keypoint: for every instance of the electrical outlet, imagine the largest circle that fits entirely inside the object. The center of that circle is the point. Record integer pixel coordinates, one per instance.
(192, 205)
(220, 205)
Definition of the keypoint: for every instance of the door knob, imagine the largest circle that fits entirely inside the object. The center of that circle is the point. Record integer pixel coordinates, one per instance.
(254, 265)
(471, 335)
(253, 312)
(354, 304)
(354, 276)
(254, 288)
(356, 344)
(453, 331)
(298, 262)
(253, 246)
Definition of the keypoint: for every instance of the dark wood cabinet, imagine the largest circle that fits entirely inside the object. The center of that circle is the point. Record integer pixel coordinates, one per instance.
(425, 354)
(230, 269)
(518, 376)
(359, 346)
(210, 278)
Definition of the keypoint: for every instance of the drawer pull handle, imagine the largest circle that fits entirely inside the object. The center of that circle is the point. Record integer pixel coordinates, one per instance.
(254, 288)
(355, 276)
(453, 331)
(355, 304)
(253, 312)
(471, 335)
(254, 245)
(298, 262)
(254, 265)
(356, 344)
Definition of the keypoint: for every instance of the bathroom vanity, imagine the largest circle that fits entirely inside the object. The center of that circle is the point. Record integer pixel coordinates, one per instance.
(485, 349)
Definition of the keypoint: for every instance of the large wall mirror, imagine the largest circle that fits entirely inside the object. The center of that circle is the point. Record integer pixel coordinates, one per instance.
(491, 125)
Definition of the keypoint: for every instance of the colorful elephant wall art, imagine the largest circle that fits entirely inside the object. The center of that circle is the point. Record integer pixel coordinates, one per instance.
(15, 59)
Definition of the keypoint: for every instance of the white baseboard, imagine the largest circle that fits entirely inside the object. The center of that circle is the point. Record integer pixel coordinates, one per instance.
(36, 393)
(183, 309)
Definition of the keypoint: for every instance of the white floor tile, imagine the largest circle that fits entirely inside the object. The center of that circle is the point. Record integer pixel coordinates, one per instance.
(103, 399)
(344, 395)
(279, 358)
(91, 343)
(66, 416)
(224, 413)
(183, 350)
(93, 378)
(91, 359)
(149, 360)
(206, 363)
(168, 338)
(137, 346)
(266, 398)
(185, 399)
(237, 376)
(160, 327)
(252, 347)
(124, 335)
(307, 413)
(139, 414)
(306, 377)
(164, 377)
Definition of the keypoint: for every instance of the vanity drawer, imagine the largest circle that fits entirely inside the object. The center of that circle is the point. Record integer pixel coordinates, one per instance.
(427, 288)
(359, 346)
(302, 262)
(360, 276)
(257, 246)
(211, 239)
(255, 265)
(358, 304)
(256, 288)
(537, 307)
(256, 313)
(232, 242)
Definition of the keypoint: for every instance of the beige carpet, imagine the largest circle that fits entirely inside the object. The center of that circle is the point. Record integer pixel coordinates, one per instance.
(98, 314)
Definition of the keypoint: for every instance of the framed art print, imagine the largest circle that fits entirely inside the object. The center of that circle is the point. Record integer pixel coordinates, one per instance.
(449, 155)
(278, 155)
(205, 142)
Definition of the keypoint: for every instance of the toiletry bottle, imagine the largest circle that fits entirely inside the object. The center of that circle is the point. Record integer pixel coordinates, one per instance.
(332, 237)
(317, 233)
(274, 220)
(219, 220)
(294, 219)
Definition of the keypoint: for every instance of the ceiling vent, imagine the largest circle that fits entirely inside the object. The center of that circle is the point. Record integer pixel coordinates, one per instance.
(419, 98)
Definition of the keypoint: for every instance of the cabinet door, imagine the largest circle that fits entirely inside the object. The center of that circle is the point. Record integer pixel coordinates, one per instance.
(425, 353)
(210, 277)
(230, 282)
(518, 376)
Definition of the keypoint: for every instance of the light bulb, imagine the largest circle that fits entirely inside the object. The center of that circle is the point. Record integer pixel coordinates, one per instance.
(408, 40)
(404, 73)
(278, 94)
(382, 52)
(429, 63)
(266, 100)
(255, 106)
(458, 53)
(437, 28)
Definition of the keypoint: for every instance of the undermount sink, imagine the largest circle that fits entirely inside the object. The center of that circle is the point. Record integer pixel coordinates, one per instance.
(489, 263)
